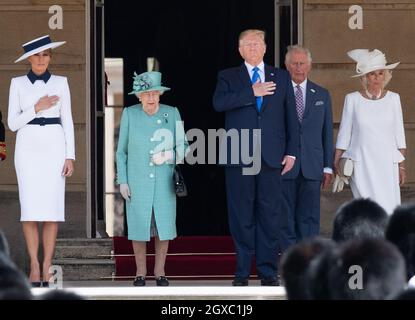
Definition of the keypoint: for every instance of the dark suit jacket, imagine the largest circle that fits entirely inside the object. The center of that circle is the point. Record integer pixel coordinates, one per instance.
(315, 135)
(277, 118)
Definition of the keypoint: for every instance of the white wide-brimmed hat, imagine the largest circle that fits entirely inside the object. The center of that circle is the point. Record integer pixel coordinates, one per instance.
(38, 45)
(368, 61)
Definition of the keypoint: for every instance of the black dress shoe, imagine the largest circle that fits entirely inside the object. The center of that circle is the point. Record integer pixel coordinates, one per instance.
(240, 282)
(36, 284)
(139, 281)
(45, 284)
(270, 282)
(162, 281)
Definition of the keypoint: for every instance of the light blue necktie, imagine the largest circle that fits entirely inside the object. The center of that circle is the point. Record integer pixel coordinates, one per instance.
(255, 77)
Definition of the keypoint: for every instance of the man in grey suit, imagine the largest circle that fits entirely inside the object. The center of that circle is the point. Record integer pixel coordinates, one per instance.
(313, 168)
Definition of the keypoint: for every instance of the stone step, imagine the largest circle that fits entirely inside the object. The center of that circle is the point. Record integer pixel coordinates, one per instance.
(179, 290)
(83, 252)
(106, 242)
(85, 269)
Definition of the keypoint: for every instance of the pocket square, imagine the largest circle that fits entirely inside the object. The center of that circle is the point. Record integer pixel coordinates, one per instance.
(319, 103)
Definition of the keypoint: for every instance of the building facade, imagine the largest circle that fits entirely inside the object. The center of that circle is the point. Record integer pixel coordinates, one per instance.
(328, 28)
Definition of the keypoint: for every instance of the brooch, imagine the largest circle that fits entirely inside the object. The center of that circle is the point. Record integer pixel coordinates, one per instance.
(165, 115)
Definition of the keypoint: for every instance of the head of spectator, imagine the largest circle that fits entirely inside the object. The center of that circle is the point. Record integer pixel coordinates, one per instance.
(367, 269)
(295, 263)
(359, 218)
(14, 285)
(4, 246)
(401, 232)
(407, 294)
(60, 295)
(317, 274)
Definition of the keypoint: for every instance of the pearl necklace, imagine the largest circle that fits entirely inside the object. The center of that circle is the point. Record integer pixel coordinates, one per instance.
(373, 97)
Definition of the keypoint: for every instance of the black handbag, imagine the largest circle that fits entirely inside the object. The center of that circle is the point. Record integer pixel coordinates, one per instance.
(178, 181)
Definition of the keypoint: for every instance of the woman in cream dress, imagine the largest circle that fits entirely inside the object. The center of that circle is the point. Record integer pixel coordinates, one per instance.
(40, 112)
(372, 133)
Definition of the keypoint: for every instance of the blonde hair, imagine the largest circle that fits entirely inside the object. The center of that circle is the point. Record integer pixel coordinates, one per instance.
(258, 32)
(388, 77)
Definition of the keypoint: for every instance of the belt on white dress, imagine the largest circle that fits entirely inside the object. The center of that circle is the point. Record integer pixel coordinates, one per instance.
(44, 121)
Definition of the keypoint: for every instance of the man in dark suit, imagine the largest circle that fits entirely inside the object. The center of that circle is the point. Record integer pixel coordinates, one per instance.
(257, 99)
(313, 166)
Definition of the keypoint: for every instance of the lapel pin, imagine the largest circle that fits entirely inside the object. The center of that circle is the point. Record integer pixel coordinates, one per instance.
(313, 91)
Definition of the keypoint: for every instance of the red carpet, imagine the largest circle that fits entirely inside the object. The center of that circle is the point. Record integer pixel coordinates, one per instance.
(196, 257)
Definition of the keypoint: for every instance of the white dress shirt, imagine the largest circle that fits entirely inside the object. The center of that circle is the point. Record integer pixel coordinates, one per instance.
(261, 70)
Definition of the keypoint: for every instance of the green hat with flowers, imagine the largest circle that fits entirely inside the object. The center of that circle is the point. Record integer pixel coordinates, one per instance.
(147, 81)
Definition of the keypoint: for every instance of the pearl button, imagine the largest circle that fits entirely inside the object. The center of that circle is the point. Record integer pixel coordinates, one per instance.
(151, 175)
(151, 151)
(158, 121)
(151, 164)
(151, 139)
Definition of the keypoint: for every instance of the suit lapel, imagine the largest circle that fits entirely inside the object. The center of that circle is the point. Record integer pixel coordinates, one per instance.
(310, 98)
(244, 75)
(269, 76)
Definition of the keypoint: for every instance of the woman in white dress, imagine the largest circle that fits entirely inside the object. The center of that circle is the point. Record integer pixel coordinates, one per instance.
(40, 112)
(372, 133)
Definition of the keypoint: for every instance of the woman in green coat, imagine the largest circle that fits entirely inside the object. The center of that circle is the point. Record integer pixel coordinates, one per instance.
(151, 141)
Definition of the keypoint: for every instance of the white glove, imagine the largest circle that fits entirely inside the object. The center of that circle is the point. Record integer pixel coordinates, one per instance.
(339, 182)
(162, 157)
(125, 191)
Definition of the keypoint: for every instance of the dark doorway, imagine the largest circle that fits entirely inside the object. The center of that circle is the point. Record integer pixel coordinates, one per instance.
(192, 41)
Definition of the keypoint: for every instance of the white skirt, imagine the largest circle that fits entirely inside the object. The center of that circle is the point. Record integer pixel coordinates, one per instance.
(39, 160)
(377, 180)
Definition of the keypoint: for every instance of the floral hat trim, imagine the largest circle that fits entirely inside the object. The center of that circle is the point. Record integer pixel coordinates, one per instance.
(148, 81)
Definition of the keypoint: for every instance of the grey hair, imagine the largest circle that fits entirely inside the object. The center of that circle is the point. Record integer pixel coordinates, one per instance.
(297, 48)
(388, 77)
(258, 32)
